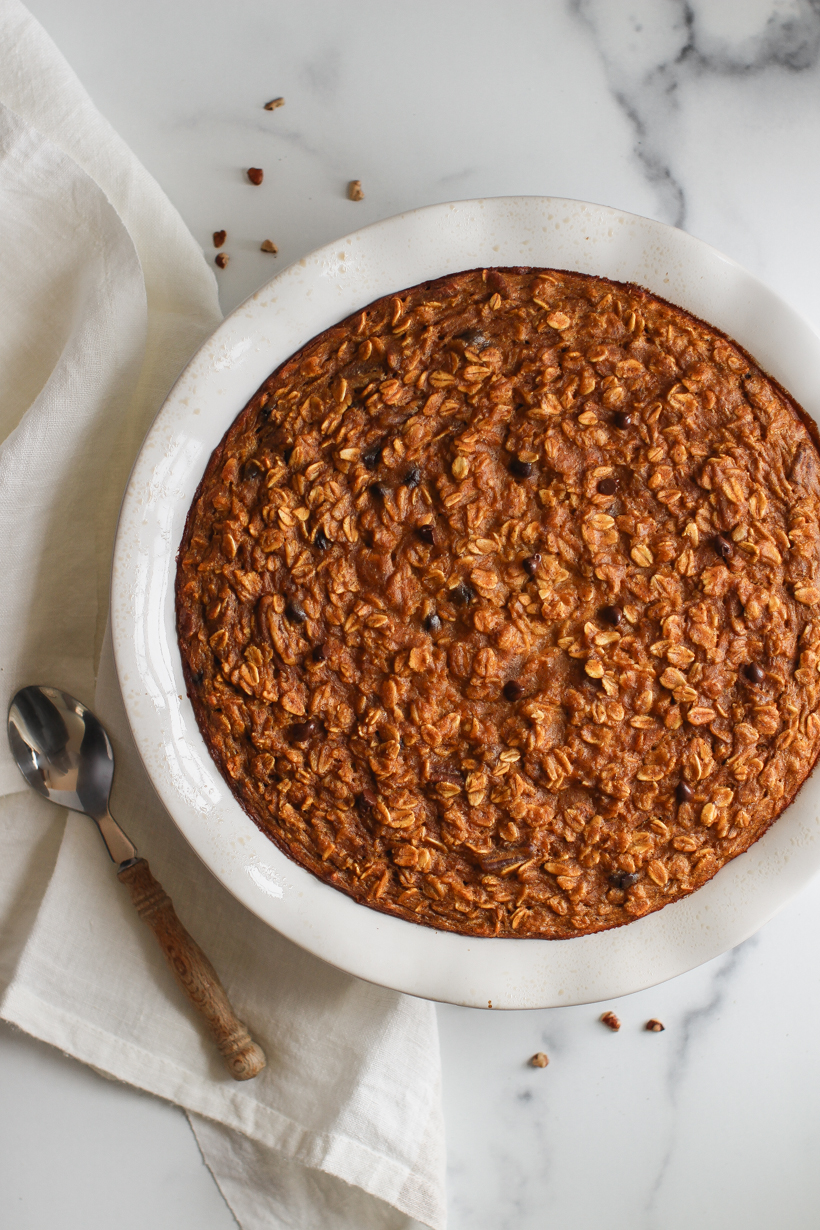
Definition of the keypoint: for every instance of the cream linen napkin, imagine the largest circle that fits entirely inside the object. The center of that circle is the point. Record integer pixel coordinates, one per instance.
(103, 296)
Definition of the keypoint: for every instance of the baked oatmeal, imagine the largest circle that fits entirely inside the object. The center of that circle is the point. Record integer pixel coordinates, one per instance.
(499, 603)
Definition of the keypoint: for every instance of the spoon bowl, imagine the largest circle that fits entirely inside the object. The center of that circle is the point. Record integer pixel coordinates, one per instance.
(63, 752)
(61, 749)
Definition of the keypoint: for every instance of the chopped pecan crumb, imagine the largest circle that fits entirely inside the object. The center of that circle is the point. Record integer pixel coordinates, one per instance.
(611, 1021)
(355, 192)
(268, 245)
(654, 1026)
(219, 238)
(539, 1060)
(274, 104)
(255, 175)
(221, 259)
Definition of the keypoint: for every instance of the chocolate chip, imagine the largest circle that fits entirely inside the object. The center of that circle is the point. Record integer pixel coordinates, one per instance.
(684, 793)
(461, 595)
(365, 800)
(623, 420)
(412, 478)
(512, 690)
(474, 338)
(253, 469)
(378, 491)
(371, 458)
(287, 453)
(320, 540)
(321, 653)
(607, 486)
(300, 732)
(425, 533)
(198, 677)
(754, 673)
(519, 468)
(530, 564)
(611, 615)
(295, 613)
(432, 623)
(722, 547)
(623, 879)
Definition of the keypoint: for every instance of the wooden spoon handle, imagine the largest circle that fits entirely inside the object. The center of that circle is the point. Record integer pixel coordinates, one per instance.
(193, 971)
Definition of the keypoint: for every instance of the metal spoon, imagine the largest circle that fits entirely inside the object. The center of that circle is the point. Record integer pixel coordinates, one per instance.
(64, 753)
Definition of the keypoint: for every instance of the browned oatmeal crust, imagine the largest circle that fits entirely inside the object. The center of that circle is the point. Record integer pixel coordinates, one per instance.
(498, 604)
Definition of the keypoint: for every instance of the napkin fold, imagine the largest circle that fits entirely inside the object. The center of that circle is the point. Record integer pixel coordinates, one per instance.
(103, 297)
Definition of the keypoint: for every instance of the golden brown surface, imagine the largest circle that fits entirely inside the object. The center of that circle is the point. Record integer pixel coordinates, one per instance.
(498, 604)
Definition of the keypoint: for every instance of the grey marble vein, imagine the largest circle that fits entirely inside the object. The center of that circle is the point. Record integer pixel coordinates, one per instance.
(653, 48)
(692, 1026)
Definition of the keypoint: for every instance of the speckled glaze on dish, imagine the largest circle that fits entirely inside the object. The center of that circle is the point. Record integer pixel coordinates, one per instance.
(302, 301)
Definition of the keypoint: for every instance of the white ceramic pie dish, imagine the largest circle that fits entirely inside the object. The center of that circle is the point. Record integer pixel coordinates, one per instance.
(300, 302)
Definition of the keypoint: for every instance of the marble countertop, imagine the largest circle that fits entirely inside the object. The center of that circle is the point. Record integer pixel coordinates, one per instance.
(701, 114)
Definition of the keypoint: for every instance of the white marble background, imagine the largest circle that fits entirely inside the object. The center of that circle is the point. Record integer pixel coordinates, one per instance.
(705, 114)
